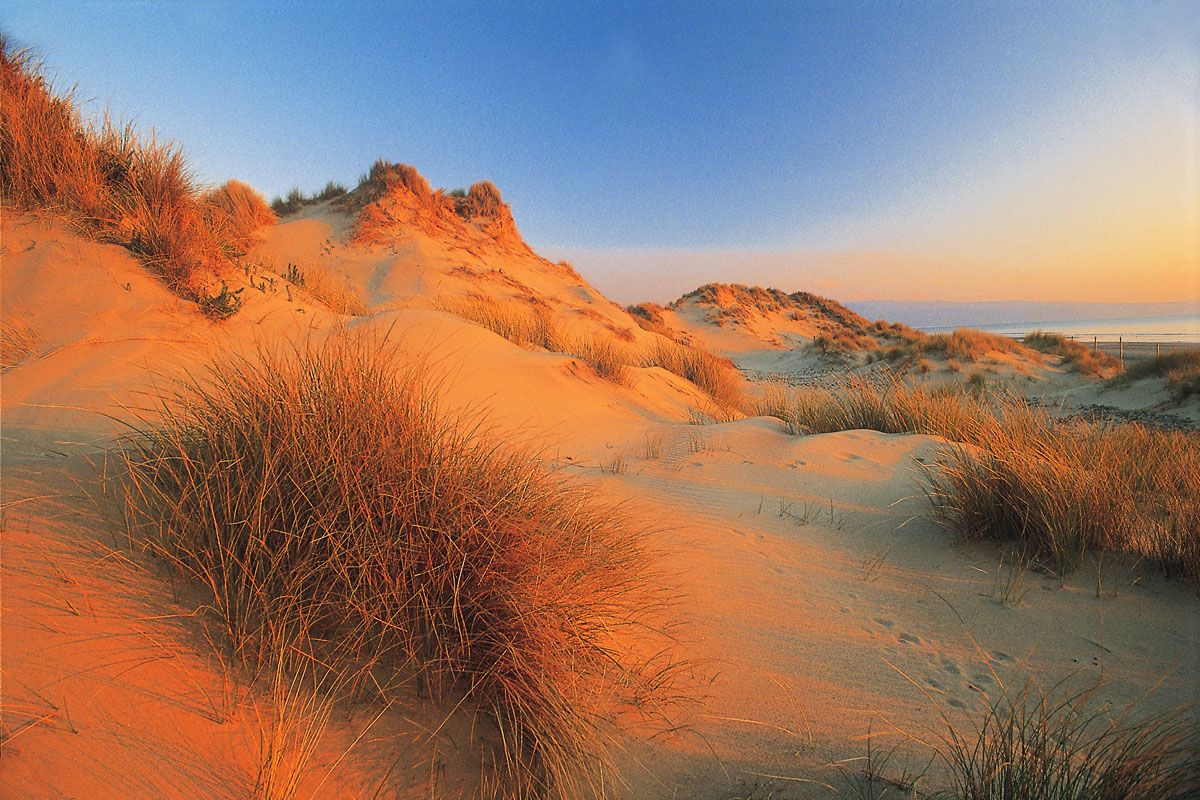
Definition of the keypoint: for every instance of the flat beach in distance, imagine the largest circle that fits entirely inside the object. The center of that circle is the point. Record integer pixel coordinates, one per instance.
(363, 490)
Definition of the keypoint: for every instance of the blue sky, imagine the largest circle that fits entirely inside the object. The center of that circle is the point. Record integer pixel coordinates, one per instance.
(910, 150)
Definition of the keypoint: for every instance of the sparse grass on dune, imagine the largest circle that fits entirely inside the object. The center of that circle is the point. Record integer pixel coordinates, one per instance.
(535, 327)
(883, 403)
(842, 341)
(520, 324)
(326, 289)
(318, 491)
(899, 342)
(650, 317)
(18, 340)
(1015, 473)
(297, 199)
(968, 344)
(606, 357)
(1181, 369)
(1056, 745)
(121, 188)
(715, 375)
(234, 212)
(1073, 354)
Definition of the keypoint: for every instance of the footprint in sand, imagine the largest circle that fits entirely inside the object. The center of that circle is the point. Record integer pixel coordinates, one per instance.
(908, 638)
(950, 668)
(1003, 658)
(958, 703)
(887, 623)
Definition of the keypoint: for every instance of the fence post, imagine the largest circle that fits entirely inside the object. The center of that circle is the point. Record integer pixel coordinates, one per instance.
(1095, 343)
(1121, 344)
(1157, 349)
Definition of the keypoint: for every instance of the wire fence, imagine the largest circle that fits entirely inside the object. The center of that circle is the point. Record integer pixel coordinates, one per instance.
(1133, 348)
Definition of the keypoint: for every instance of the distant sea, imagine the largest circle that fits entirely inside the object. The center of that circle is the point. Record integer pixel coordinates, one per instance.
(1169, 328)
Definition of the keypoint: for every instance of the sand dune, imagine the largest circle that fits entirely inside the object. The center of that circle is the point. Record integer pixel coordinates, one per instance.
(818, 601)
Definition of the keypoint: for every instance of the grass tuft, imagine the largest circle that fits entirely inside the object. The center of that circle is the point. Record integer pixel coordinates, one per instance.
(1073, 354)
(320, 284)
(1012, 473)
(607, 358)
(320, 491)
(483, 200)
(522, 325)
(1036, 745)
(18, 340)
(968, 345)
(650, 317)
(715, 375)
(122, 188)
(234, 212)
(1181, 369)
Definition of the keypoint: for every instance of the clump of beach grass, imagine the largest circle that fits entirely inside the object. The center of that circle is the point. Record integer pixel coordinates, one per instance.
(898, 342)
(1181, 369)
(1059, 745)
(234, 211)
(1073, 354)
(526, 326)
(607, 358)
(116, 185)
(320, 284)
(715, 375)
(19, 339)
(968, 344)
(1013, 473)
(316, 493)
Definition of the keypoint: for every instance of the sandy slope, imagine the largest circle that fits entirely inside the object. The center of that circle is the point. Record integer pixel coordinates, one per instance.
(771, 335)
(818, 601)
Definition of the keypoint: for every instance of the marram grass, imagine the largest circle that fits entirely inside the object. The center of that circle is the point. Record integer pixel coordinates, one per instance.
(319, 490)
(119, 187)
(1057, 745)
(1011, 472)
